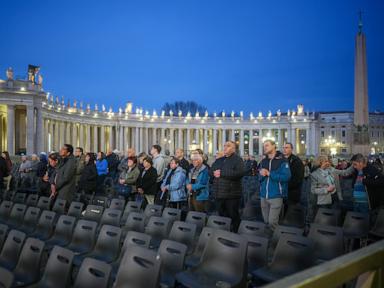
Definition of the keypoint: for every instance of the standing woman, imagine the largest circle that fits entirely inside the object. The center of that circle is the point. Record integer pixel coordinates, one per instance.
(128, 178)
(88, 178)
(174, 185)
(198, 183)
(102, 171)
(7, 179)
(50, 176)
(146, 183)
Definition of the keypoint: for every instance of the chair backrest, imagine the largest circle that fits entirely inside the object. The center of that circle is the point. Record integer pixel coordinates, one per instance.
(157, 227)
(172, 255)
(28, 266)
(117, 203)
(93, 273)
(329, 217)
(132, 206)
(46, 224)
(356, 224)
(57, 272)
(225, 254)
(93, 213)
(251, 228)
(100, 201)
(64, 228)
(203, 240)
(135, 222)
(152, 210)
(84, 235)
(59, 206)
(219, 222)
(198, 218)
(31, 218)
(17, 214)
(140, 267)
(3, 234)
(183, 232)
(108, 243)
(75, 209)
(32, 200)
(172, 214)
(294, 216)
(328, 240)
(378, 227)
(44, 203)
(136, 238)
(5, 210)
(111, 217)
(6, 278)
(292, 254)
(11, 249)
(285, 230)
(19, 198)
(257, 253)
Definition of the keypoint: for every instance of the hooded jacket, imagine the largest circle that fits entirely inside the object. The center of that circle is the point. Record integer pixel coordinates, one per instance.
(276, 184)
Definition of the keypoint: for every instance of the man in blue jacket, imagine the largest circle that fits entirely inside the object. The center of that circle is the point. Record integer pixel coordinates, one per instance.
(275, 175)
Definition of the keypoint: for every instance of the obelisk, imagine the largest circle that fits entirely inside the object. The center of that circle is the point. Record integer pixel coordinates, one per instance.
(361, 113)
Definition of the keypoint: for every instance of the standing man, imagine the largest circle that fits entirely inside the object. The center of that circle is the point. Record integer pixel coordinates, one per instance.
(160, 165)
(275, 175)
(183, 163)
(228, 177)
(297, 174)
(65, 175)
(80, 163)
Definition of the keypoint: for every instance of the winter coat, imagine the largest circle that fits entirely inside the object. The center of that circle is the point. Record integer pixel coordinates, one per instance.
(276, 184)
(65, 178)
(160, 165)
(176, 187)
(201, 186)
(228, 185)
(130, 176)
(297, 175)
(88, 178)
(80, 163)
(319, 186)
(147, 181)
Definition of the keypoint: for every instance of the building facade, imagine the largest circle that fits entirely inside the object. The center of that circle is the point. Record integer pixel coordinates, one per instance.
(32, 121)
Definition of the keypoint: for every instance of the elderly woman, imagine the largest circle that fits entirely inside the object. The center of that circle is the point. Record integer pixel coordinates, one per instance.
(198, 183)
(146, 182)
(174, 185)
(128, 177)
(325, 183)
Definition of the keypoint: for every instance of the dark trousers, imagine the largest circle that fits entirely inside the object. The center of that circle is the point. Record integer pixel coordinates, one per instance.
(230, 208)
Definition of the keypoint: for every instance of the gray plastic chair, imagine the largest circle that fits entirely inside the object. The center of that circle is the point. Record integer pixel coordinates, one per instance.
(93, 273)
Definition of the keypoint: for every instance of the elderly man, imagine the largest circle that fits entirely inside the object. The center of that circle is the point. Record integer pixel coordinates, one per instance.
(228, 174)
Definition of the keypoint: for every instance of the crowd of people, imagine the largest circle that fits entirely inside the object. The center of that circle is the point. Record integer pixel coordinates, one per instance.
(282, 178)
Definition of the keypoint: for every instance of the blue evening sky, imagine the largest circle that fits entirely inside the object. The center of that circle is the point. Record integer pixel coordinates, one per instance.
(232, 55)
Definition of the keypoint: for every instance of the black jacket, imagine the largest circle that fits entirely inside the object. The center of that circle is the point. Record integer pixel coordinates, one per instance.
(147, 182)
(297, 175)
(228, 185)
(374, 182)
(3, 170)
(113, 162)
(88, 179)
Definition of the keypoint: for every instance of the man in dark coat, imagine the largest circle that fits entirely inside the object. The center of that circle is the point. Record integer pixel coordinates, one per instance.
(65, 174)
(297, 174)
(227, 181)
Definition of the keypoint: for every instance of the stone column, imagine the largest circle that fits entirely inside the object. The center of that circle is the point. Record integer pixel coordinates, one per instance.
(223, 138)
(61, 134)
(233, 135)
(46, 131)
(188, 138)
(11, 129)
(280, 144)
(293, 138)
(30, 130)
(68, 133)
(102, 138)
(88, 141)
(162, 142)
(197, 137)
(261, 152)
(141, 133)
(121, 139)
(214, 139)
(40, 135)
(180, 138)
(74, 134)
(241, 135)
(111, 146)
(137, 143)
(250, 142)
(95, 139)
(81, 136)
(172, 138)
(205, 144)
(154, 136)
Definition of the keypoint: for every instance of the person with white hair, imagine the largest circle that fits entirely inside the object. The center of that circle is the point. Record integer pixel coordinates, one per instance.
(198, 184)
